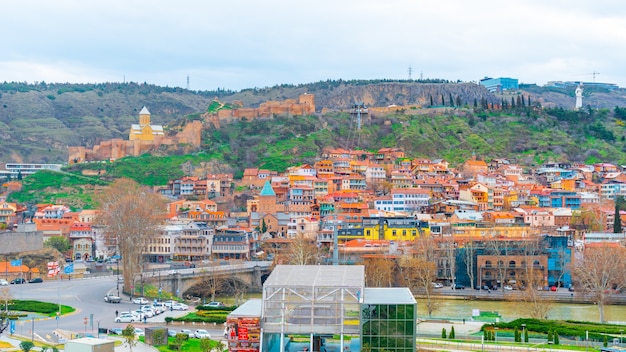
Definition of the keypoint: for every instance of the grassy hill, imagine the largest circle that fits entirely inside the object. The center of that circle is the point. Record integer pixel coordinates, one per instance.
(523, 135)
(38, 122)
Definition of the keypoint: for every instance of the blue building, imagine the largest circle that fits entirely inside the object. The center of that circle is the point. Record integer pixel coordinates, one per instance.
(499, 84)
(508, 262)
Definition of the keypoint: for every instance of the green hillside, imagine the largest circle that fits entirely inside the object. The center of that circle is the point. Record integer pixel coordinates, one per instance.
(523, 135)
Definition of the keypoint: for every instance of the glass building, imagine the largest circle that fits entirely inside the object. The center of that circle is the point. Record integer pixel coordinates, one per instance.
(327, 308)
(388, 320)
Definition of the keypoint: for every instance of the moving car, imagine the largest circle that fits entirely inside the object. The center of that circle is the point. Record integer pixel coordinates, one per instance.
(458, 287)
(216, 304)
(201, 334)
(18, 281)
(436, 285)
(35, 280)
(111, 298)
(140, 300)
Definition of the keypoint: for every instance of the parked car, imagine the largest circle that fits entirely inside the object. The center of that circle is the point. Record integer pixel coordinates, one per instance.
(179, 306)
(201, 334)
(159, 307)
(186, 332)
(169, 303)
(126, 318)
(571, 289)
(139, 332)
(148, 311)
(4, 282)
(140, 300)
(171, 332)
(35, 280)
(18, 281)
(458, 287)
(116, 331)
(553, 288)
(111, 298)
(436, 285)
(507, 288)
(216, 304)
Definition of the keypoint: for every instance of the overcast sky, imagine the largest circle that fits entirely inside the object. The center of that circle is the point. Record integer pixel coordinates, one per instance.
(236, 44)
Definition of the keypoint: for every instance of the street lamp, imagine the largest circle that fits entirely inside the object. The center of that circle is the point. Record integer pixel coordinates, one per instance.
(524, 332)
(621, 335)
(496, 336)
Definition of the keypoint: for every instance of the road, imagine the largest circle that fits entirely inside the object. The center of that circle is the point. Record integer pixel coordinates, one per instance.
(561, 295)
(86, 296)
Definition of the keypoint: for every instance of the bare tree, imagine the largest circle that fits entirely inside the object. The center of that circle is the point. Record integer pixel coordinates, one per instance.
(130, 215)
(418, 275)
(302, 251)
(468, 258)
(447, 258)
(600, 270)
(5, 297)
(420, 270)
(379, 272)
(212, 282)
(532, 280)
(498, 248)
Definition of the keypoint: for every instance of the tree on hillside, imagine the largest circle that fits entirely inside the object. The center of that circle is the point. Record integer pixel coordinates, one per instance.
(601, 270)
(60, 243)
(131, 215)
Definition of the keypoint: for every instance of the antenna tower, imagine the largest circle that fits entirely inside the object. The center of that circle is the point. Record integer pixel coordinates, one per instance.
(187, 82)
(410, 72)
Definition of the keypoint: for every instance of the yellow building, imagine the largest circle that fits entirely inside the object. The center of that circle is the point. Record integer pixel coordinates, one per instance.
(394, 228)
(144, 131)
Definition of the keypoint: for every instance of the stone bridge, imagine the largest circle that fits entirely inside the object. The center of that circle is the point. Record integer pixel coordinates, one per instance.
(250, 274)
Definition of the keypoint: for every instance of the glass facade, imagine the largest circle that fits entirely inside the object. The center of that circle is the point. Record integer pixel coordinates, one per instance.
(389, 327)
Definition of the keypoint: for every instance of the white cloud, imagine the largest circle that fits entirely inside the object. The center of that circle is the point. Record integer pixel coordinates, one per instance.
(239, 44)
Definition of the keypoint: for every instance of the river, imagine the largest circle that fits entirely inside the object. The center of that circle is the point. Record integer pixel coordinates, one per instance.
(462, 309)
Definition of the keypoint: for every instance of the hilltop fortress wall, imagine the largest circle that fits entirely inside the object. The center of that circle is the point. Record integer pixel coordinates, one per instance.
(189, 137)
(304, 105)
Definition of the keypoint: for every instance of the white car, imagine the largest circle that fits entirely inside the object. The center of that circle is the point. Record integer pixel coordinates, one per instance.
(179, 306)
(216, 304)
(149, 312)
(507, 288)
(140, 300)
(202, 334)
(436, 285)
(187, 332)
(4, 282)
(139, 332)
(169, 303)
(127, 318)
(171, 332)
(159, 307)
